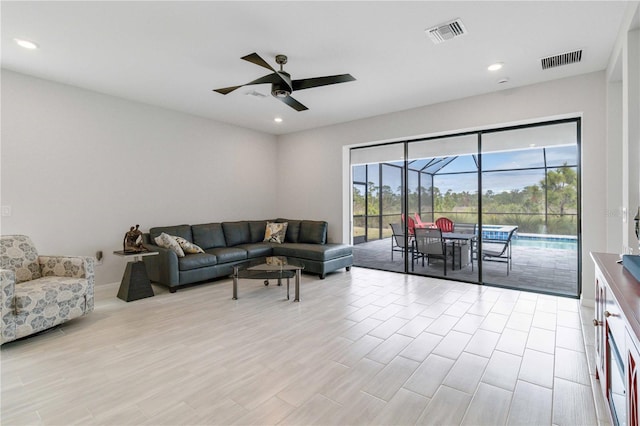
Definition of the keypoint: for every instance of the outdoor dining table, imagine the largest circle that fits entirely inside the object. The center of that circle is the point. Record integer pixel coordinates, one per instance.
(458, 239)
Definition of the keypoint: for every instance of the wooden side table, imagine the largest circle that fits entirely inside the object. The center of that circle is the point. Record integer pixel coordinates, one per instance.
(135, 281)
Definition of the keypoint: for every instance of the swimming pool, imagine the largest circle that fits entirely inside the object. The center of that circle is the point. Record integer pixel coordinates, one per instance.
(546, 241)
(497, 232)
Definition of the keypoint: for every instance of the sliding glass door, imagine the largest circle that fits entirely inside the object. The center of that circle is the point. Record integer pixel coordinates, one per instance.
(497, 207)
(530, 208)
(445, 174)
(378, 201)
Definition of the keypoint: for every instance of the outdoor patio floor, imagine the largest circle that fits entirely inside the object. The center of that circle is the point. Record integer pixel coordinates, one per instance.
(545, 270)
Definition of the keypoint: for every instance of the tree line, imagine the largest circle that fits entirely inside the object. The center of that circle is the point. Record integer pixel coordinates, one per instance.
(548, 206)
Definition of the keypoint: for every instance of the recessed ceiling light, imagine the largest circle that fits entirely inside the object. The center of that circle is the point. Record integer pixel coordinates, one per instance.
(495, 67)
(278, 120)
(25, 43)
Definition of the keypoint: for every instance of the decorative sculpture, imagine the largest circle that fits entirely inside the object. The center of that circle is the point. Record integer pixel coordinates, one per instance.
(132, 242)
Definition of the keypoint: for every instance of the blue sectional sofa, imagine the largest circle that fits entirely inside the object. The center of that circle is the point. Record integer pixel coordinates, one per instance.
(226, 244)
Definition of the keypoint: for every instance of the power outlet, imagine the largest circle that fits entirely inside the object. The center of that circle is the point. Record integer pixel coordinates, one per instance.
(6, 211)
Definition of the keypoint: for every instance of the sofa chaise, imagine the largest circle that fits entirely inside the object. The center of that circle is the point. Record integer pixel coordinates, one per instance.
(226, 244)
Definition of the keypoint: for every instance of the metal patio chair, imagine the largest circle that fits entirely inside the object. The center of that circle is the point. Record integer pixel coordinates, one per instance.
(498, 250)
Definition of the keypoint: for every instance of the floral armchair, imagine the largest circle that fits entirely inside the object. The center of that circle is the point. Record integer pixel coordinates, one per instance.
(40, 292)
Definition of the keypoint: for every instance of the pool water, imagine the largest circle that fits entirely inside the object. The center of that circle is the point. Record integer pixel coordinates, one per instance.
(548, 243)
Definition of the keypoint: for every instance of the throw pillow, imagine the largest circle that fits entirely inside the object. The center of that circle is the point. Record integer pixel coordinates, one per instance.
(167, 241)
(275, 232)
(276, 260)
(187, 247)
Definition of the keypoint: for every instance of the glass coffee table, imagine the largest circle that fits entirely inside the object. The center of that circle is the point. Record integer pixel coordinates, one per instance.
(269, 268)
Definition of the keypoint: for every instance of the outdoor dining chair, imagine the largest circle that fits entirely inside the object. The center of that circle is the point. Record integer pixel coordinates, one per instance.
(430, 244)
(421, 224)
(411, 225)
(398, 241)
(445, 224)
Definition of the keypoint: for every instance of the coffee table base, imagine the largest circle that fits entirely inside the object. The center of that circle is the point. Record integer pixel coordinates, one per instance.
(266, 283)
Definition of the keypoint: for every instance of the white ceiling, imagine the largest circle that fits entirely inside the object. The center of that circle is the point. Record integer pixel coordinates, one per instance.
(172, 54)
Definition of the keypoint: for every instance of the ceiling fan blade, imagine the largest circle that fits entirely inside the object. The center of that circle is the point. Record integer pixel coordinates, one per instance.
(293, 103)
(269, 78)
(308, 83)
(254, 58)
(226, 90)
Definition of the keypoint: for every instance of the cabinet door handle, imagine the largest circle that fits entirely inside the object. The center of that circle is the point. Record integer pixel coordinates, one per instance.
(596, 323)
(609, 314)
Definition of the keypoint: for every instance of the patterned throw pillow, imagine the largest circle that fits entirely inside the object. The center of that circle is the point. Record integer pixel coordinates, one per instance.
(275, 232)
(169, 242)
(187, 247)
(276, 260)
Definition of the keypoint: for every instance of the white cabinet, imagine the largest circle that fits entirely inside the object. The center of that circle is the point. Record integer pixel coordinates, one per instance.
(633, 360)
(617, 359)
(600, 332)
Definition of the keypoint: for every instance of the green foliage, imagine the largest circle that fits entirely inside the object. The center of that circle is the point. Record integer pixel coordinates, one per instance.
(561, 188)
(359, 207)
(522, 207)
(562, 225)
(526, 223)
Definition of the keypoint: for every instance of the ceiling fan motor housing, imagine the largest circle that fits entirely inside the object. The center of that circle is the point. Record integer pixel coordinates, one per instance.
(283, 88)
(279, 93)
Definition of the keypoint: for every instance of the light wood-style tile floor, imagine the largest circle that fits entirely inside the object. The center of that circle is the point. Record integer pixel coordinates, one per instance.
(362, 347)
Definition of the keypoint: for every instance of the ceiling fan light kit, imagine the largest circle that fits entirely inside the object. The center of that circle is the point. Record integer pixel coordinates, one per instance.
(281, 84)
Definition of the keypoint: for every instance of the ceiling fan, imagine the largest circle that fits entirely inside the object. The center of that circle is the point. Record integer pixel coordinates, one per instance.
(281, 83)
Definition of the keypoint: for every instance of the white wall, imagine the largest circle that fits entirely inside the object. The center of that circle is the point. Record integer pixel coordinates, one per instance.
(630, 136)
(318, 160)
(623, 134)
(615, 165)
(79, 168)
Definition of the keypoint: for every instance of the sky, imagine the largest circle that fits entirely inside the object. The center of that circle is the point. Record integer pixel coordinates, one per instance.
(498, 181)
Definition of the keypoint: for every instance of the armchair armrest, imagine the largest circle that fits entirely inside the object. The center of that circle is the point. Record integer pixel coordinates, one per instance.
(7, 290)
(7, 305)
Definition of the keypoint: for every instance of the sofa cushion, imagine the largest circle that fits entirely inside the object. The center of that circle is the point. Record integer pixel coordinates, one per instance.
(183, 231)
(208, 235)
(228, 254)
(293, 230)
(48, 293)
(317, 252)
(256, 230)
(257, 249)
(196, 261)
(236, 233)
(313, 232)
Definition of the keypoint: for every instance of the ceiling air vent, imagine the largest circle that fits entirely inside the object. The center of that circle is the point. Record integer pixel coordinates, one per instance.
(561, 59)
(446, 31)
